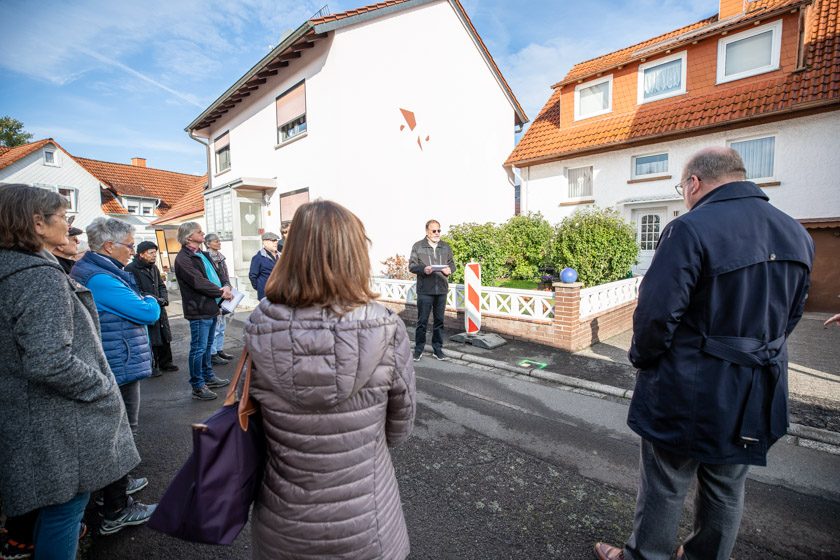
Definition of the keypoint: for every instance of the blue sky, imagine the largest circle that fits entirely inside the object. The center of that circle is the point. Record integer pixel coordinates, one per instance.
(113, 80)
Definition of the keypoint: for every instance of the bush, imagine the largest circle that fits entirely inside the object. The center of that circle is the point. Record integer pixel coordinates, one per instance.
(480, 243)
(396, 267)
(526, 241)
(597, 243)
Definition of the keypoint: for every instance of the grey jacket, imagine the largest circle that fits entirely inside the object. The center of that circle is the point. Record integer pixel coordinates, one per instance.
(423, 255)
(335, 393)
(63, 426)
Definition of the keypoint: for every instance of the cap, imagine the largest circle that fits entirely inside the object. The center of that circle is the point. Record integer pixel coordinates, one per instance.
(73, 231)
(270, 236)
(146, 246)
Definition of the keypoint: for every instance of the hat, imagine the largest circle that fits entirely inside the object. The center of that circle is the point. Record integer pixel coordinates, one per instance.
(74, 231)
(270, 236)
(146, 246)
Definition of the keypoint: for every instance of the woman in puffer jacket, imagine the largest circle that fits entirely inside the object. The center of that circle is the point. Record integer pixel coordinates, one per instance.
(335, 383)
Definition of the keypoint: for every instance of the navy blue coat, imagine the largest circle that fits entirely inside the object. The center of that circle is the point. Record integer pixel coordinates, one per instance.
(261, 266)
(726, 286)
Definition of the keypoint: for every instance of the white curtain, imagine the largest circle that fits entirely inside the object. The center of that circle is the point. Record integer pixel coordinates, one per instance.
(757, 155)
(594, 99)
(748, 54)
(649, 165)
(580, 182)
(664, 78)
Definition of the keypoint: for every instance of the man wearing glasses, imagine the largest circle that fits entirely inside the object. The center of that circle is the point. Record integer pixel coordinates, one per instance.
(431, 260)
(726, 287)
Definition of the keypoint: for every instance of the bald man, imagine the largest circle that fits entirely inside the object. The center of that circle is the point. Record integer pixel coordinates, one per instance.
(726, 287)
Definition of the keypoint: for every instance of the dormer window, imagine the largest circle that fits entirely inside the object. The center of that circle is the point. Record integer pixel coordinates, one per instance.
(749, 53)
(50, 157)
(662, 78)
(593, 98)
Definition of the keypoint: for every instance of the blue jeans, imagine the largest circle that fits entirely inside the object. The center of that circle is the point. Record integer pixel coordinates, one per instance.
(202, 332)
(219, 338)
(57, 529)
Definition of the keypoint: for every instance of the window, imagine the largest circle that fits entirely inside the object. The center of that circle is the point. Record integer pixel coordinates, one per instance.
(655, 164)
(649, 232)
(146, 210)
(222, 147)
(662, 78)
(219, 216)
(72, 197)
(291, 113)
(749, 53)
(50, 157)
(593, 98)
(580, 182)
(758, 154)
(132, 208)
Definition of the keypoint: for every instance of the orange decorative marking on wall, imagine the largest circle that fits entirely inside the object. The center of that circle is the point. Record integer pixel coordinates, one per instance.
(411, 121)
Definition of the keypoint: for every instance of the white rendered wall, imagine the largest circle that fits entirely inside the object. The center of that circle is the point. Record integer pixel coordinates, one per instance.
(354, 152)
(806, 163)
(32, 170)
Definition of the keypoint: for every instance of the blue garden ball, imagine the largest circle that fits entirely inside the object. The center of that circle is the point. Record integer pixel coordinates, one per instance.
(568, 275)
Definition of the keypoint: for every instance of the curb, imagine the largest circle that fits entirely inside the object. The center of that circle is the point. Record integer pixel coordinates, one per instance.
(797, 434)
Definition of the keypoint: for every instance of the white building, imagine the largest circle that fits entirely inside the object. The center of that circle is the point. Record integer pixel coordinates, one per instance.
(396, 111)
(618, 129)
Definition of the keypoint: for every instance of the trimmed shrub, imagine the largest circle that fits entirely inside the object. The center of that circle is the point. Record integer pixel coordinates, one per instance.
(526, 241)
(480, 243)
(597, 243)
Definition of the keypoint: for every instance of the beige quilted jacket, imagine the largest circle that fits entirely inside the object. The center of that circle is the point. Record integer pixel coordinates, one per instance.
(335, 392)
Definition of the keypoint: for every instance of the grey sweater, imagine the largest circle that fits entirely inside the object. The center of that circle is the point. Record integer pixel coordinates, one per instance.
(63, 426)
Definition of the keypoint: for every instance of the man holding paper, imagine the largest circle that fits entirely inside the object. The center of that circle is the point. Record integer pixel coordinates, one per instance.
(431, 260)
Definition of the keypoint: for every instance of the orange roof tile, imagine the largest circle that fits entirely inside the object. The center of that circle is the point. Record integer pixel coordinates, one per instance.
(191, 203)
(356, 12)
(133, 180)
(10, 155)
(816, 86)
(110, 204)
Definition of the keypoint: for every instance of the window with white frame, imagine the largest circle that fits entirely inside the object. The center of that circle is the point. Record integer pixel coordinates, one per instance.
(749, 53)
(218, 214)
(758, 155)
(132, 207)
(72, 196)
(650, 165)
(50, 157)
(593, 98)
(649, 229)
(291, 113)
(580, 182)
(222, 148)
(662, 78)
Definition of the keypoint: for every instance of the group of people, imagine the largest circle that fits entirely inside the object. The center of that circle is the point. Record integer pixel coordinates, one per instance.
(334, 370)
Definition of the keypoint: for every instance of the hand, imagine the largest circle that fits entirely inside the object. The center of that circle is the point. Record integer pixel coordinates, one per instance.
(427, 270)
(226, 293)
(835, 319)
(162, 302)
(446, 271)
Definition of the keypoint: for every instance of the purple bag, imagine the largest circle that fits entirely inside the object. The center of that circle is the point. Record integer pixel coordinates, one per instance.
(209, 499)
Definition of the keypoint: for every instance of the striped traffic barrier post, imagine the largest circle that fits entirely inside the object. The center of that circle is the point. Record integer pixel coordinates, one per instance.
(472, 284)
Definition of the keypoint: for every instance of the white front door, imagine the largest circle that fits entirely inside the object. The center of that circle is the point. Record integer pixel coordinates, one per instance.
(649, 223)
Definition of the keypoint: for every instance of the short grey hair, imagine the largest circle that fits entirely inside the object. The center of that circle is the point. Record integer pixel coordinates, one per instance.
(712, 164)
(105, 229)
(210, 237)
(186, 229)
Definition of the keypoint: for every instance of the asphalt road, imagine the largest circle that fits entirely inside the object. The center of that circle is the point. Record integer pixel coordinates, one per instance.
(501, 467)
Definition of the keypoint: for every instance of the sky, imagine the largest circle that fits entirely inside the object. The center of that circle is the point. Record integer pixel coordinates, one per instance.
(115, 80)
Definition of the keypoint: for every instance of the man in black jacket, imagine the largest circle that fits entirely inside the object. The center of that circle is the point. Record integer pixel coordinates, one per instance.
(202, 290)
(431, 260)
(149, 281)
(726, 287)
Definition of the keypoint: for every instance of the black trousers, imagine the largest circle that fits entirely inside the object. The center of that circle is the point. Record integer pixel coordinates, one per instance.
(114, 497)
(162, 355)
(436, 304)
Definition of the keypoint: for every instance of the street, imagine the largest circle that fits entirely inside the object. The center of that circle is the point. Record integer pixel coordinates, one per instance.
(501, 467)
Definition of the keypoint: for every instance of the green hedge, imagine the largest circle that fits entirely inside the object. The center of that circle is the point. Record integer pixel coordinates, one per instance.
(526, 240)
(480, 243)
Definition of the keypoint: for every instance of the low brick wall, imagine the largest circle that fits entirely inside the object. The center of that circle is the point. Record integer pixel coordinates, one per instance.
(567, 331)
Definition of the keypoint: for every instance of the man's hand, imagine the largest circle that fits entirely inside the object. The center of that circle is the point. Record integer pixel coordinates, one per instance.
(446, 271)
(835, 319)
(226, 293)
(427, 270)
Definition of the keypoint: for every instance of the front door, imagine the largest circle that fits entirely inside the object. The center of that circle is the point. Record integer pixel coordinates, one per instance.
(649, 223)
(250, 227)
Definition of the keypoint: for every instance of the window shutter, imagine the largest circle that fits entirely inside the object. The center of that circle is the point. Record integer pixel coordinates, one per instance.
(222, 141)
(291, 104)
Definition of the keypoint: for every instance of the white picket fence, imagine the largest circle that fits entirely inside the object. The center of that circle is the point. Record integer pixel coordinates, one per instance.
(606, 296)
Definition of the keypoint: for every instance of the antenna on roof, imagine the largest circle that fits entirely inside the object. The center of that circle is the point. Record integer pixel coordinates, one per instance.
(325, 11)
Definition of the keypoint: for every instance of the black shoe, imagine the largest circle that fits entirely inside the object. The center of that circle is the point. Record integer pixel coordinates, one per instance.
(215, 383)
(203, 394)
(417, 356)
(169, 367)
(439, 355)
(224, 355)
(218, 360)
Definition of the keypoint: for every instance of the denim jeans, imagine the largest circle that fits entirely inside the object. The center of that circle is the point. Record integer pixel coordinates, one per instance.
(219, 338)
(436, 304)
(57, 529)
(665, 481)
(131, 398)
(202, 332)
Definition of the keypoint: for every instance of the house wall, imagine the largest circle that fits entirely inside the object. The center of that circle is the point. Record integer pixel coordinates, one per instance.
(32, 170)
(358, 149)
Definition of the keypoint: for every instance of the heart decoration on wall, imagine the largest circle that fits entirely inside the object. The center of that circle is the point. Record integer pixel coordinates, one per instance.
(250, 218)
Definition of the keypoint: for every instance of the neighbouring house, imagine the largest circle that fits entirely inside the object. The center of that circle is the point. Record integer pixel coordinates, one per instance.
(761, 76)
(189, 208)
(133, 193)
(396, 110)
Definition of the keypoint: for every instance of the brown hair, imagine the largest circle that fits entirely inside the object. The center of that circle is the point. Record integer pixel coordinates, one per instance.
(324, 262)
(19, 204)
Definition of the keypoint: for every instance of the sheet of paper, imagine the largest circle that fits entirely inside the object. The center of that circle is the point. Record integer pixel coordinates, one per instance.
(437, 267)
(229, 305)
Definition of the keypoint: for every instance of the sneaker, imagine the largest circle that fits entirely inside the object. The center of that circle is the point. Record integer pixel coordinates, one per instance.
(439, 355)
(134, 513)
(169, 367)
(134, 486)
(218, 360)
(417, 356)
(203, 394)
(224, 355)
(215, 382)
(14, 550)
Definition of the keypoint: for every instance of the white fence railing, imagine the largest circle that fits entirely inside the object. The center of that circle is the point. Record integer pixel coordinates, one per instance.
(527, 304)
(606, 296)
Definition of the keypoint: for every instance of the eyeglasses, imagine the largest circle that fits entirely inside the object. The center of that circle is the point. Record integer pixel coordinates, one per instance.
(129, 245)
(679, 186)
(434, 230)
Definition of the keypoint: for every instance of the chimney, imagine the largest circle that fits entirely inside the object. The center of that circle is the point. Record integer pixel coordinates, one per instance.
(138, 161)
(729, 8)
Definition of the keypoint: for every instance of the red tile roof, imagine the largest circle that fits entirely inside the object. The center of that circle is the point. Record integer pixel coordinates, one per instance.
(110, 204)
(10, 155)
(817, 86)
(356, 12)
(133, 180)
(191, 203)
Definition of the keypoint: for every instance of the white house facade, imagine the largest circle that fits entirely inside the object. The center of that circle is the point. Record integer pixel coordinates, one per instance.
(398, 113)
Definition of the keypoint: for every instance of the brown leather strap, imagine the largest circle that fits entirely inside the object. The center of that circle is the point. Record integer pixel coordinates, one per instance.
(247, 406)
(234, 383)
